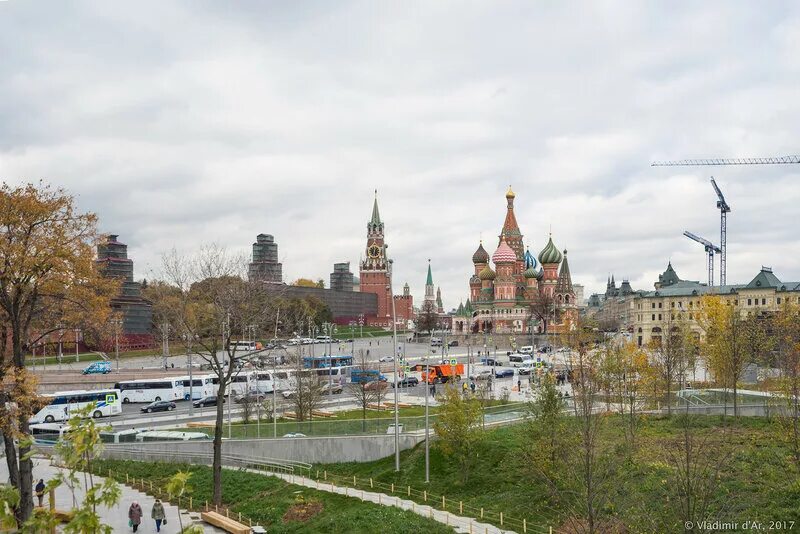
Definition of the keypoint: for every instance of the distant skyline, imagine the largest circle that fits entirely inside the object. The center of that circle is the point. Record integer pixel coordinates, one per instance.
(184, 123)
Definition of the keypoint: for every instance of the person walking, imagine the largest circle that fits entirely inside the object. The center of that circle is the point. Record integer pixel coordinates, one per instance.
(135, 515)
(40, 492)
(158, 514)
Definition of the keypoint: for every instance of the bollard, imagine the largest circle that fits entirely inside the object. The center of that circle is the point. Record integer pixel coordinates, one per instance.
(443, 505)
(524, 525)
(216, 508)
(409, 491)
(126, 478)
(501, 518)
(240, 517)
(190, 502)
(325, 474)
(228, 513)
(461, 507)
(250, 522)
(392, 487)
(370, 483)
(317, 474)
(206, 506)
(354, 481)
(481, 513)
(425, 495)
(551, 530)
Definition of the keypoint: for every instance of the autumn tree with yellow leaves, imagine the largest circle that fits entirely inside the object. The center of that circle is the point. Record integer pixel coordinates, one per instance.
(49, 282)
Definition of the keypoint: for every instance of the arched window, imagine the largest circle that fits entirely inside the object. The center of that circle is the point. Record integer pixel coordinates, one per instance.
(566, 299)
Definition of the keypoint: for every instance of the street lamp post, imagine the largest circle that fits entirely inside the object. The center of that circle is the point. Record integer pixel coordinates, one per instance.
(117, 324)
(394, 351)
(77, 333)
(427, 426)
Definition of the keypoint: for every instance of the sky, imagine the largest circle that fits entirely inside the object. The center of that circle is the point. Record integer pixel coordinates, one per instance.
(187, 123)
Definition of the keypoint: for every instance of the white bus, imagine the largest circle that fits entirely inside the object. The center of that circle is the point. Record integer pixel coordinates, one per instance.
(63, 404)
(152, 390)
(240, 384)
(201, 386)
(240, 347)
(262, 382)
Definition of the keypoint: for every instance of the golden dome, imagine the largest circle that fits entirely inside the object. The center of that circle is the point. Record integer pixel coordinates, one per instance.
(510, 193)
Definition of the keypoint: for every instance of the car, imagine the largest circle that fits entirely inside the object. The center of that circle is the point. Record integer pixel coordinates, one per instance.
(386, 359)
(375, 385)
(102, 368)
(289, 393)
(211, 400)
(545, 349)
(407, 382)
(334, 388)
(491, 362)
(503, 373)
(482, 375)
(249, 398)
(527, 349)
(159, 406)
(524, 370)
(294, 435)
(453, 343)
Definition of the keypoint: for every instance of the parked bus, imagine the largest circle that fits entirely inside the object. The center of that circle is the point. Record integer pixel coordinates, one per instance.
(262, 382)
(240, 384)
(63, 404)
(245, 346)
(202, 386)
(171, 435)
(151, 390)
(322, 362)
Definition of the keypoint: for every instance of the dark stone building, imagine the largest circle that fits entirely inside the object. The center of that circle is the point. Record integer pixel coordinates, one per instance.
(345, 306)
(265, 265)
(137, 312)
(341, 277)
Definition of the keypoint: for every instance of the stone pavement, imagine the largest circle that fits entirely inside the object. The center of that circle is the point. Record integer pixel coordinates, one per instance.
(116, 517)
(459, 523)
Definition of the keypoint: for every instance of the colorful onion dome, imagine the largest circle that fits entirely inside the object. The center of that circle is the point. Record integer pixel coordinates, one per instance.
(487, 274)
(510, 193)
(474, 279)
(550, 253)
(504, 253)
(530, 260)
(530, 272)
(480, 256)
(539, 274)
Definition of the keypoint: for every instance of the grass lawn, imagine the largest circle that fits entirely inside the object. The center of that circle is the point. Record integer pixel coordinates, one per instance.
(266, 500)
(759, 482)
(347, 332)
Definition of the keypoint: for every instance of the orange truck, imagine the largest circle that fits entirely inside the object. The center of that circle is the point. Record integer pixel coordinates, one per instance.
(440, 373)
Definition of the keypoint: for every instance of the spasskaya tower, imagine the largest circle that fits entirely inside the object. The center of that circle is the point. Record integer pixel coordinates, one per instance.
(374, 269)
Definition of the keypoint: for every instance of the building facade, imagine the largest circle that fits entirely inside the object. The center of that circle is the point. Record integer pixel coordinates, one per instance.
(341, 277)
(265, 266)
(136, 311)
(654, 312)
(613, 311)
(502, 299)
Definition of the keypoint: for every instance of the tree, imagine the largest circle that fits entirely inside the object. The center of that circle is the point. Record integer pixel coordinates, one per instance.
(178, 486)
(697, 463)
(545, 428)
(724, 347)
(457, 426)
(543, 309)
(215, 302)
(787, 326)
(361, 394)
(305, 282)
(670, 355)
(428, 318)
(307, 394)
(48, 282)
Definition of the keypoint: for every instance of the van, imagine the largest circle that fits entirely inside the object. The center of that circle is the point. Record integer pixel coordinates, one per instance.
(98, 368)
(436, 342)
(519, 360)
(528, 349)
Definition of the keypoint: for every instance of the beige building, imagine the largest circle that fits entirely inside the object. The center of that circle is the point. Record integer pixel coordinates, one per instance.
(674, 299)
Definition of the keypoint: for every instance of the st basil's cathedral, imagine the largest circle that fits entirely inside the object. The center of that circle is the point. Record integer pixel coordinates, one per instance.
(502, 299)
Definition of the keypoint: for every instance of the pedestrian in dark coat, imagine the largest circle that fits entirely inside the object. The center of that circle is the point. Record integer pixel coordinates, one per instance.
(135, 515)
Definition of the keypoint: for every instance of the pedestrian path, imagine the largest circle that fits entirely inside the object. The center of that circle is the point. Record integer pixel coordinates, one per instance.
(459, 523)
(116, 517)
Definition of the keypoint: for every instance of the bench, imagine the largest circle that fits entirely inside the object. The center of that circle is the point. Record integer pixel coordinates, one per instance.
(319, 413)
(225, 523)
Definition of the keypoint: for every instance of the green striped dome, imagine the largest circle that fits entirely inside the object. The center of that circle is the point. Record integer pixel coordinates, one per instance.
(550, 253)
(487, 274)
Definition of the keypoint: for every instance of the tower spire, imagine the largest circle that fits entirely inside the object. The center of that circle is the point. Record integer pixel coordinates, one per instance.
(376, 216)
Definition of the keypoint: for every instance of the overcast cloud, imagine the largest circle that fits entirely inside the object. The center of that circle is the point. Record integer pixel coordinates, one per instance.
(181, 123)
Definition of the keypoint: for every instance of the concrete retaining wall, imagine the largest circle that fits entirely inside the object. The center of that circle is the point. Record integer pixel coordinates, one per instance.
(312, 450)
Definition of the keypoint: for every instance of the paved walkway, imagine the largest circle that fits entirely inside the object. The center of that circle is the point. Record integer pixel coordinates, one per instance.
(459, 523)
(116, 517)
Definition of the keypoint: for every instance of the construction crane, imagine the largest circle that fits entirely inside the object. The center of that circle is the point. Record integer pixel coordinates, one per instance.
(723, 206)
(777, 160)
(711, 248)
